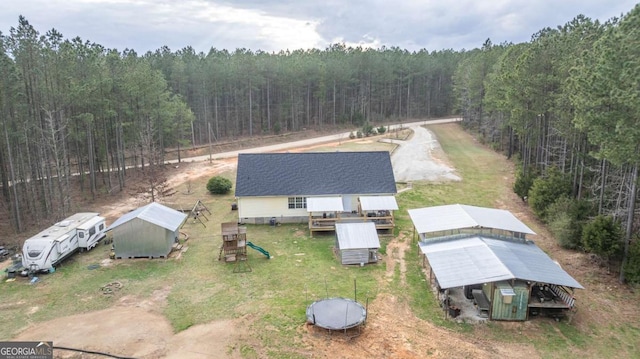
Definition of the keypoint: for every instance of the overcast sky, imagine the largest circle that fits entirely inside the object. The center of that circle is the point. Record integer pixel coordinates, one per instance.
(274, 25)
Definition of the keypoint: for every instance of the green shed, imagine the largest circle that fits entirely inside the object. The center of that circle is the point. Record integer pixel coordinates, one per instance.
(510, 302)
(147, 232)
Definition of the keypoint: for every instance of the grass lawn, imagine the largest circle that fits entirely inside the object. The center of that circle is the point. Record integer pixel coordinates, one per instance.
(274, 295)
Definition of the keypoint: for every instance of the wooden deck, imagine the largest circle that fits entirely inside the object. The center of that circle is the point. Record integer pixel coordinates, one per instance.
(550, 296)
(322, 223)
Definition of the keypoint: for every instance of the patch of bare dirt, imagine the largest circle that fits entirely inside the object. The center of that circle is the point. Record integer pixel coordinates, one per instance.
(133, 330)
(395, 257)
(134, 327)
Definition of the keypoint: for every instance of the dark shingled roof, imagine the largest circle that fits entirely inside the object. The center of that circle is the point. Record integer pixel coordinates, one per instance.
(314, 174)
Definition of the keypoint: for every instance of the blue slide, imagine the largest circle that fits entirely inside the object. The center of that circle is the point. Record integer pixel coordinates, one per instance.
(259, 249)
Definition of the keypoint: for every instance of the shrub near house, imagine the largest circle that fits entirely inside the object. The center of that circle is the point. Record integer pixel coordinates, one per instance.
(219, 185)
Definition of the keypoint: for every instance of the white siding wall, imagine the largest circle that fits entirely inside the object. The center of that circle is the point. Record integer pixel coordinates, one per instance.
(263, 208)
(250, 208)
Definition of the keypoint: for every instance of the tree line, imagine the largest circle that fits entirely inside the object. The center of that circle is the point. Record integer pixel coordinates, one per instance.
(565, 107)
(70, 107)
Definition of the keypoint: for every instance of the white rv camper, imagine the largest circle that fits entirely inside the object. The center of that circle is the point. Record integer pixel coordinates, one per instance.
(47, 249)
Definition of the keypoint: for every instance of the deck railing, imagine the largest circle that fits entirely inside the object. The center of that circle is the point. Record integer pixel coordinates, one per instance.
(322, 223)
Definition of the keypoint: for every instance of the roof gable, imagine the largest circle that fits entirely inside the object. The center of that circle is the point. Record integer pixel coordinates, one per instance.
(314, 173)
(155, 213)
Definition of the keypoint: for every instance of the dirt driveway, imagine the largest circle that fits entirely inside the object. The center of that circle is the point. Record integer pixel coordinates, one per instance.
(391, 332)
(420, 159)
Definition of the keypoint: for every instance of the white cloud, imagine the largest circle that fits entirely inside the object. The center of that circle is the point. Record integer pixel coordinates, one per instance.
(272, 25)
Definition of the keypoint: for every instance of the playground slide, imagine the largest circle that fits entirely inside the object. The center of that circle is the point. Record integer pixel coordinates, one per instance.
(259, 249)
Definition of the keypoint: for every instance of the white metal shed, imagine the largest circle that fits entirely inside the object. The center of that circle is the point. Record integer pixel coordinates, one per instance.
(357, 243)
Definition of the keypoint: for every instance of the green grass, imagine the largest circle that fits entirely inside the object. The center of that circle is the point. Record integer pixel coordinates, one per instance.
(273, 297)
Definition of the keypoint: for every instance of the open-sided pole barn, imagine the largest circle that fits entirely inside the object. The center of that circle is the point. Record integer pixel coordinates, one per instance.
(486, 250)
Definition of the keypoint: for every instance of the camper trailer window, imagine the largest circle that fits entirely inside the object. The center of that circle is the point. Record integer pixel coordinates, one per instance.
(101, 227)
(81, 234)
(92, 231)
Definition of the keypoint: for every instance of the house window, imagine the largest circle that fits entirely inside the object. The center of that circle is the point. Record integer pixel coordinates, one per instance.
(297, 202)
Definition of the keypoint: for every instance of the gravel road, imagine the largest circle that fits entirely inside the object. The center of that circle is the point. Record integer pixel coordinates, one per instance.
(414, 160)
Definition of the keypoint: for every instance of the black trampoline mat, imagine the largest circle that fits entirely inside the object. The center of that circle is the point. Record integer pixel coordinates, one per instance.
(336, 313)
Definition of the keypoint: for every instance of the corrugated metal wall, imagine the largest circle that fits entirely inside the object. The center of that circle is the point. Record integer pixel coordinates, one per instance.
(354, 256)
(510, 307)
(139, 238)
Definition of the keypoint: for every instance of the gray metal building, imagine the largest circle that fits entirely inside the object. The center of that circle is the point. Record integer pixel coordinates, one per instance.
(148, 232)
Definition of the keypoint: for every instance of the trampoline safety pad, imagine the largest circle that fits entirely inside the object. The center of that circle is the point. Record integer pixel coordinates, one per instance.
(336, 313)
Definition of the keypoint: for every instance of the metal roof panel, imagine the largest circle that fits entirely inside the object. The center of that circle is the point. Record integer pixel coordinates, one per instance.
(324, 204)
(463, 262)
(357, 235)
(456, 216)
(478, 259)
(155, 213)
(378, 203)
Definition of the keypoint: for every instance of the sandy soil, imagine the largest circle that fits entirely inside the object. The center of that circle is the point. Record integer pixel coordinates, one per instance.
(137, 329)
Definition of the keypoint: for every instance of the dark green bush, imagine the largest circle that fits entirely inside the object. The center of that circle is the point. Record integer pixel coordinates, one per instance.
(602, 236)
(368, 129)
(546, 190)
(523, 183)
(219, 185)
(382, 130)
(566, 218)
(632, 267)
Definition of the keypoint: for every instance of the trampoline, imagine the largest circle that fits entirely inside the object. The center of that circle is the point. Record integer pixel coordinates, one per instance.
(336, 313)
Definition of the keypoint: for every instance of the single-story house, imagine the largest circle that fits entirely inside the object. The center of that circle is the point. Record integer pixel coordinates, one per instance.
(357, 243)
(148, 232)
(280, 186)
(485, 252)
